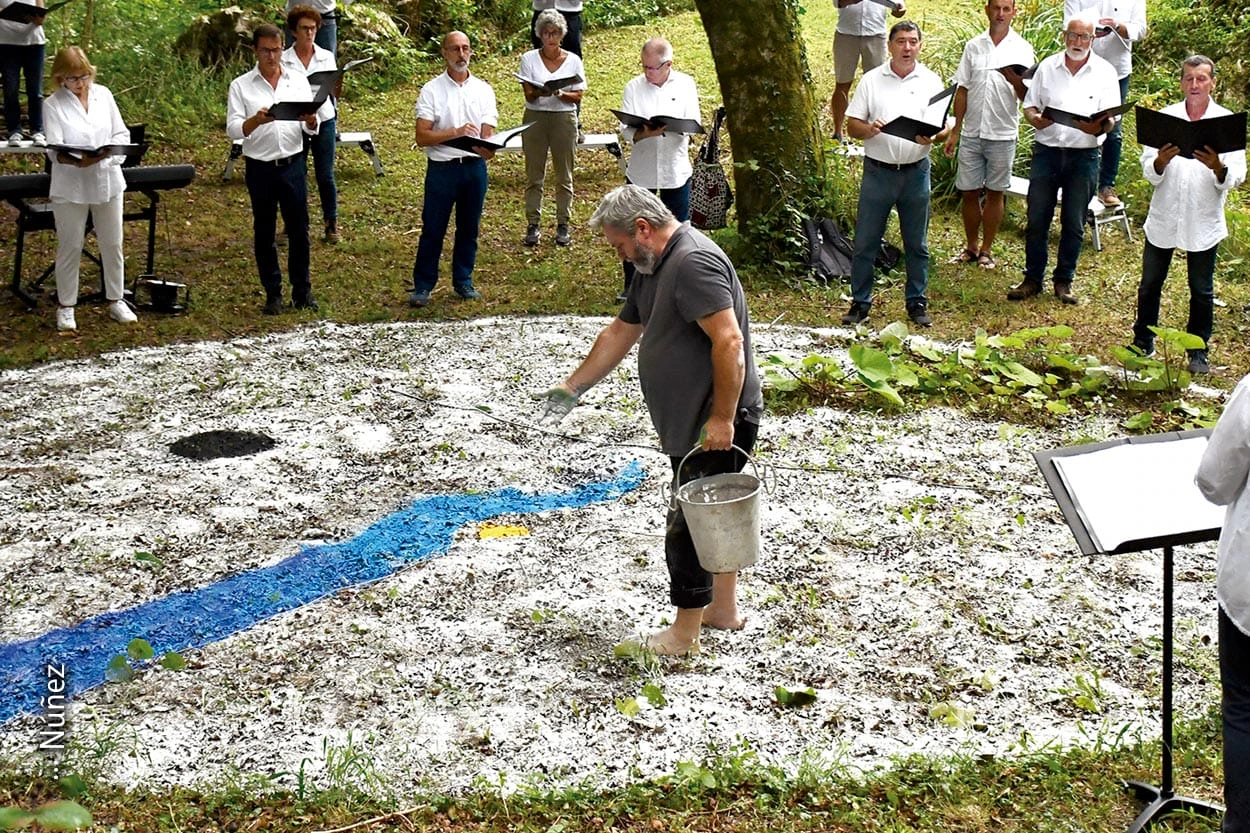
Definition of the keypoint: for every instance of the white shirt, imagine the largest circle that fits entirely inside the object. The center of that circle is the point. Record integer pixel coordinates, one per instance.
(661, 161)
(322, 59)
(1116, 50)
(66, 122)
(1187, 209)
(13, 33)
(1092, 89)
(276, 139)
(862, 19)
(558, 5)
(1222, 480)
(532, 67)
(993, 109)
(883, 95)
(322, 7)
(447, 104)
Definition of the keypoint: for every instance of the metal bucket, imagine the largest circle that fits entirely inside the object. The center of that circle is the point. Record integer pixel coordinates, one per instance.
(723, 514)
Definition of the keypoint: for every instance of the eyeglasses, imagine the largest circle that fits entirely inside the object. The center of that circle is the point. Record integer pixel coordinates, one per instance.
(263, 50)
(1079, 37)
(657, 68)
(312, 27)
(77, 79)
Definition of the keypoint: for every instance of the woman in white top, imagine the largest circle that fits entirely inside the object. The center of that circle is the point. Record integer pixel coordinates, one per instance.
(553, 114)
(83, 114)
(305, 56)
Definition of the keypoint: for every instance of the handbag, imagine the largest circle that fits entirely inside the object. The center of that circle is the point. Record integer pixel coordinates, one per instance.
(710, 196)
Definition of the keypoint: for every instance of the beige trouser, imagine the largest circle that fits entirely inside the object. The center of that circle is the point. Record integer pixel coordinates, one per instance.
(556, 132)
(71, 228)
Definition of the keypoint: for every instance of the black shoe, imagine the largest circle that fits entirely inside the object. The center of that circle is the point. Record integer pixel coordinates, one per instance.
(857, 314)
(1063, 291)
(919, 314)
(531, 235)
(468, 293)
(332, 233)
(1025, 289)
(273, 305)
(1145, 348)
(562, 235)
(306, 302)
(1198, 363)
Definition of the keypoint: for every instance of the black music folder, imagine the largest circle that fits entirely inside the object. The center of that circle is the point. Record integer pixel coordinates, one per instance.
(654, 122)
(905, 127)
(1020, 69)
(551, 86)
(92, 153)
(330, 77)
(1132, 494)
(495, 142)
(1076, 119)
(1221, 134)
(20, 12)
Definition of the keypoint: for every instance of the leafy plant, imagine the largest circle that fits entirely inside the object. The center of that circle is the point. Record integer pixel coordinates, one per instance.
(56, 815)
(792, 699)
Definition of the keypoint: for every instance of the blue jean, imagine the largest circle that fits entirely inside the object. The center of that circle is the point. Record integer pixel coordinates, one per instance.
(881, 190)
(15, 62)
(458, 184)
(327, 36)
(273, 189)
(322, 147)
(676, 200)
(1109, 168)
(1074, 170)
(1235, 709)
(1154, 270)
(689, 585)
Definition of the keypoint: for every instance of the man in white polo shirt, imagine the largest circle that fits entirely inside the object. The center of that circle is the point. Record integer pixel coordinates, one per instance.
(896, 171)
(454, 104)
(987, 120)
(858, 38)
(1078, 81)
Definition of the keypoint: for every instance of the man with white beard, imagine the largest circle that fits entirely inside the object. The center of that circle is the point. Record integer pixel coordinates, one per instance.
(1077, 81)
(688, 313)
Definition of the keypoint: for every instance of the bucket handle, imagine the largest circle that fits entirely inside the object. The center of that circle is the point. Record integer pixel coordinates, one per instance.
(764, 473)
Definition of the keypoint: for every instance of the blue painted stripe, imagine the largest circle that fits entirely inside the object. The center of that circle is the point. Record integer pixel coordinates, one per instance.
(194, 618)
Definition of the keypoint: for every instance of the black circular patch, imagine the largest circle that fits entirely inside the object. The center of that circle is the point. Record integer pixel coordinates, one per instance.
(209, 445)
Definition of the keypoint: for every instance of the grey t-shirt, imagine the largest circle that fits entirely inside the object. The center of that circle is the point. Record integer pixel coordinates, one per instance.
(693, 280)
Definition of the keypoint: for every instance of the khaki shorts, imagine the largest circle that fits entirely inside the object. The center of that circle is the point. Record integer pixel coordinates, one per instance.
(849, 50)
(984, 163)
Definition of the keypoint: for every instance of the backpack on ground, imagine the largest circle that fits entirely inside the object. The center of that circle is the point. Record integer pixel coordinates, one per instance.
(828, 249)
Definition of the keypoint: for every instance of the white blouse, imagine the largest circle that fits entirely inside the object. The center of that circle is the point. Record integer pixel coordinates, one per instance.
(1222, 480)
(533, 68)
(67, 122)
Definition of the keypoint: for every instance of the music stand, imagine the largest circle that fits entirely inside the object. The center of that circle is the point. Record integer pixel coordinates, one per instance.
(1088, 492)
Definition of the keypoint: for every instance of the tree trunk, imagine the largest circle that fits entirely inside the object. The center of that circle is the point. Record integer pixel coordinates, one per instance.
(771, 114)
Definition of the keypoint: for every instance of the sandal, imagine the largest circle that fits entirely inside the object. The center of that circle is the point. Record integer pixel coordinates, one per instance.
(986, 261)
(966, 256)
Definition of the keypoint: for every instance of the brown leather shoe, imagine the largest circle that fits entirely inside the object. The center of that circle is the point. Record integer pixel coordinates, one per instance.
(1025, 289)
(1063, 291)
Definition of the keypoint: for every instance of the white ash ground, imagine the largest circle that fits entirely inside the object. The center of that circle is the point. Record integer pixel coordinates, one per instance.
(928, 564)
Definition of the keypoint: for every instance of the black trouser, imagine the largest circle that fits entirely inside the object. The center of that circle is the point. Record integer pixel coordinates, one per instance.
(690, 585)
(1235, 707)
(275, 186)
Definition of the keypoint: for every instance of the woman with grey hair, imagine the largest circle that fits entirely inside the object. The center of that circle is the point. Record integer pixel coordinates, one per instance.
(551, 100)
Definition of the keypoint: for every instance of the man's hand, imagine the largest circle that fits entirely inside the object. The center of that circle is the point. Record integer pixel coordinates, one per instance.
(310, 121)
(1166, 154)
(900, 8)
(468, 130)
(718, 435)
(1210, 158)
(1036, 119)
(556, 406)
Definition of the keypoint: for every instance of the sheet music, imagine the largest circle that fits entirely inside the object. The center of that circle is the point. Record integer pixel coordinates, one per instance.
(1139, 490)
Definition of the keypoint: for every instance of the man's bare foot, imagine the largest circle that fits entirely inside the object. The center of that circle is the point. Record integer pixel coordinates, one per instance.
(666, 643)
(725, 620)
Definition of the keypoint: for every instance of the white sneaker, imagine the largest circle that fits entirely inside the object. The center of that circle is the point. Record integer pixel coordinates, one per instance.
(65, 319)
(39, 139)
(120, 312)
(15, 138)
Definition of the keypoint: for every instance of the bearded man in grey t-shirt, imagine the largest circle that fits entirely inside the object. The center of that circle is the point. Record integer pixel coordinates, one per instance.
(698, 378)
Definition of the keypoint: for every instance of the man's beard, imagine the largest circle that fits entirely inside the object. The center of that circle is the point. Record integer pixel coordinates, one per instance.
(1077, 53)
(460, 66)
(644, 260)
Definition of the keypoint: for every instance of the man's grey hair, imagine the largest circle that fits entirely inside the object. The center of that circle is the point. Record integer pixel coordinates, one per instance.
(550, 19)
(659, 48)
(1196, 61)
(905, 26)
(625, 204)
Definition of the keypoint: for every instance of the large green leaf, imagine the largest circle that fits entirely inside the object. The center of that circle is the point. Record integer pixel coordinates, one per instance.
(15, 818)
(873, 365)
(140, 649)
(63, 815)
